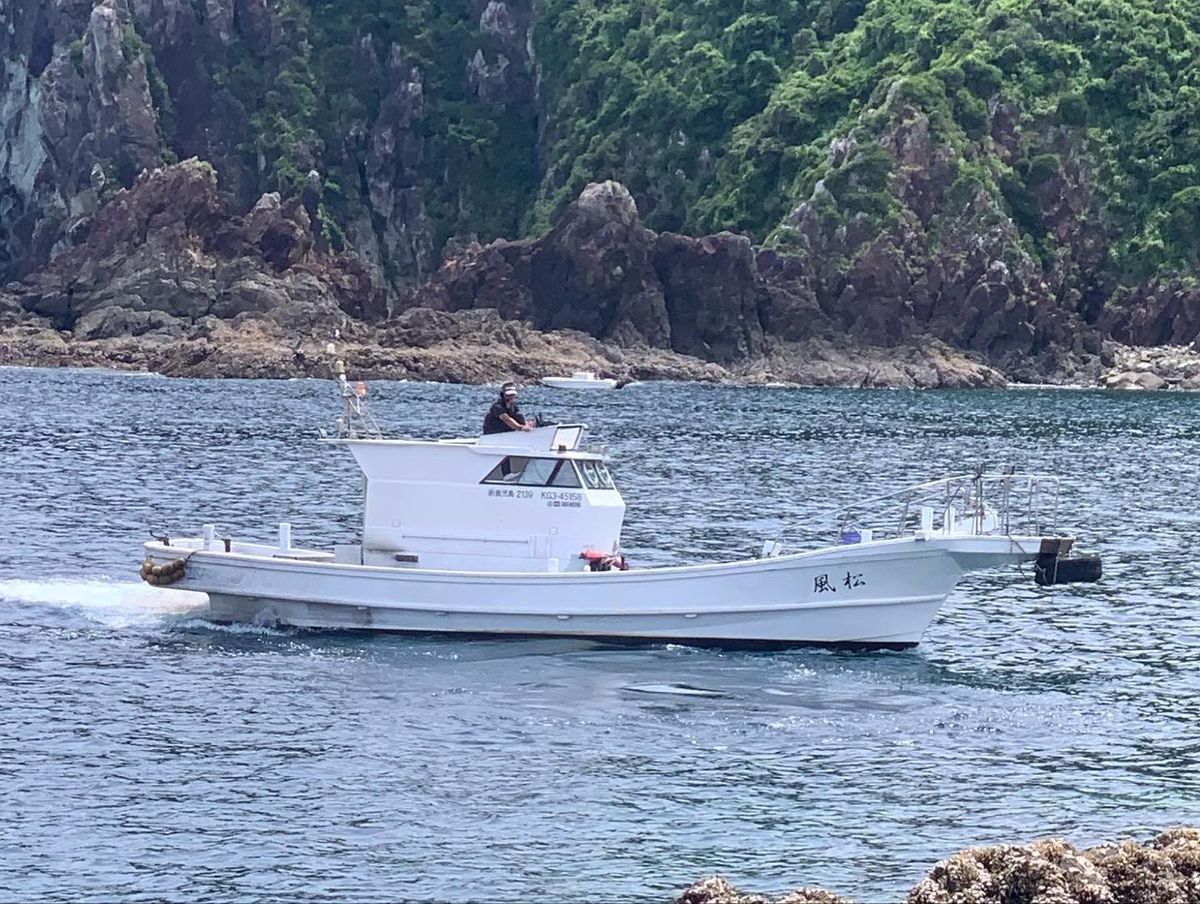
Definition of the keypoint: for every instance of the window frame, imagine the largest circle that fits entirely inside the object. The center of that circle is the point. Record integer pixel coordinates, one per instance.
(603, 476)
(498, 476)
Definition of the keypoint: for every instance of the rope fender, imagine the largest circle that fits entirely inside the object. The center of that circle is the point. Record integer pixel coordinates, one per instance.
(162, 575)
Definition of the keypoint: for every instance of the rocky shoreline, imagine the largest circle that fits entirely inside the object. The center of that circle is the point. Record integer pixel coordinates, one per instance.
(481, 348)
(478, 347)
(1165, 870)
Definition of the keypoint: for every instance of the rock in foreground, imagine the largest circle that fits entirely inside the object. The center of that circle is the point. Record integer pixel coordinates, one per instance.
(1164, 871)
(715, 890)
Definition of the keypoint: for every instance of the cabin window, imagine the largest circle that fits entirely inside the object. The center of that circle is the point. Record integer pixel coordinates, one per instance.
(565, 476)
(508, 471)
(538, 472)
(534, 472)
(595, 475)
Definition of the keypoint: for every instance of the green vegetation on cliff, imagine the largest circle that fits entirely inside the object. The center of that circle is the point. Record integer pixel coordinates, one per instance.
(346, 85)
(721, 114)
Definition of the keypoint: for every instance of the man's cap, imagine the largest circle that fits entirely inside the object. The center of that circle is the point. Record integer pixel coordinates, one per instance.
(508, 389)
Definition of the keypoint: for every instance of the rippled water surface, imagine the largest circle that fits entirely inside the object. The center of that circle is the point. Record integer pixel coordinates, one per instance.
(146, 755)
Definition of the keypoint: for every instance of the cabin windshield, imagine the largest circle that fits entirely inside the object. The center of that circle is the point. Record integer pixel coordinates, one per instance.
(538, 472)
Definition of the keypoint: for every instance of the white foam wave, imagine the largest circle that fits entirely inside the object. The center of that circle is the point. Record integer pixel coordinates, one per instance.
(114, 604)
(680, 690)
(236, 628)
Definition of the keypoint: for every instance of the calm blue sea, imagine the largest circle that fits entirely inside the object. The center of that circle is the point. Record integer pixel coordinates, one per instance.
(145, 755)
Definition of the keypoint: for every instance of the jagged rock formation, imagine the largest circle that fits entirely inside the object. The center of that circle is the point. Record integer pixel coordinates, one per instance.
(75, 118)
(170, 262)
(952, 263)
(1165, 871)
(599, 270)
(167, 277)
(170, 254)
(360, 113)
(602, 272)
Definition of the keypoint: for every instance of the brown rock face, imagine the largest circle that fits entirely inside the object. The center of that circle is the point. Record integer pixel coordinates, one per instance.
(165, 258)
(1163, 312)
(713, 295)
(717, 298)
(947, 260)
(168, 253)
(600, 271)
(76, 121)
(594, 272)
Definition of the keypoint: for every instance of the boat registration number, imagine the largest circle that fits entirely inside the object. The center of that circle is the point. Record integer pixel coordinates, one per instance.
(561, 499)
(552, 498)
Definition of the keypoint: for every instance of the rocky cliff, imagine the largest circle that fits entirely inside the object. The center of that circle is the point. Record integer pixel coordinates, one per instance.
(169, 277)
(396, 125)
(864, 192)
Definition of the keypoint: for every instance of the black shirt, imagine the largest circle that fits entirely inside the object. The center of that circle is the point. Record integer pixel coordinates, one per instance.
(493, 424)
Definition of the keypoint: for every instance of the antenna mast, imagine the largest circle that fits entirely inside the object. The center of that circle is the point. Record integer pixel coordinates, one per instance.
(355, 421)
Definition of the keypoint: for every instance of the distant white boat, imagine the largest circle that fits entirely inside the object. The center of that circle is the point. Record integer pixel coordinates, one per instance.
(581, 379)
(518, 534)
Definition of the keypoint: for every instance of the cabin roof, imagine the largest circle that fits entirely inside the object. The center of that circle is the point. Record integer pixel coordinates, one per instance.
(564, 440)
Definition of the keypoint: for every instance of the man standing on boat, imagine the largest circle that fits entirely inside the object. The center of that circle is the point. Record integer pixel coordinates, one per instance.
(504, 415)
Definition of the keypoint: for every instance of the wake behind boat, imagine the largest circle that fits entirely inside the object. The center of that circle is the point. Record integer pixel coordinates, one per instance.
(518, 534)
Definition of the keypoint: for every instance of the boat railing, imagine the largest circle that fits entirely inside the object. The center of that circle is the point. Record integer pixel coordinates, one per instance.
(963, 504)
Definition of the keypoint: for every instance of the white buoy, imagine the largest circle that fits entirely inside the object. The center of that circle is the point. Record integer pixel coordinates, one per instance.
(285, 536)
(210, 534)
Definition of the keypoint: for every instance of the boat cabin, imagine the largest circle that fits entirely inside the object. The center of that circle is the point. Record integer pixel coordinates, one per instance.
(535, 501)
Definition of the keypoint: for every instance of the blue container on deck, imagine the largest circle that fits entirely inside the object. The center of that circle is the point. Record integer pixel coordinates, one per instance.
(851, 535)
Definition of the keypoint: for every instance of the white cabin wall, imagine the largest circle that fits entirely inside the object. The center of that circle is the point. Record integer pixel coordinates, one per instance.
(442, 518)
(451, 520)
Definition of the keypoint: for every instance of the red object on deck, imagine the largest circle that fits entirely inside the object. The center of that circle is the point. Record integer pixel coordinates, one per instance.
(602, 561)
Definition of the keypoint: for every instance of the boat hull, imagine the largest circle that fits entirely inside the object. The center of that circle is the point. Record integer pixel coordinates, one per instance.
(570, 383)
(881, 594)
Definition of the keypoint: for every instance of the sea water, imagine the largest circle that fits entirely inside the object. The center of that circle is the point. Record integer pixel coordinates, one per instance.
(145, 754)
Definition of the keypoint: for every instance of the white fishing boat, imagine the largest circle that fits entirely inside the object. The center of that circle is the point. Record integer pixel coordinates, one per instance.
(580, 379)
(518, 534)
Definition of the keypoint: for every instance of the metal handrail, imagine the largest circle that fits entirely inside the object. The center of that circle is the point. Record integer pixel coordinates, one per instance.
(969, 492)
(992, 503)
